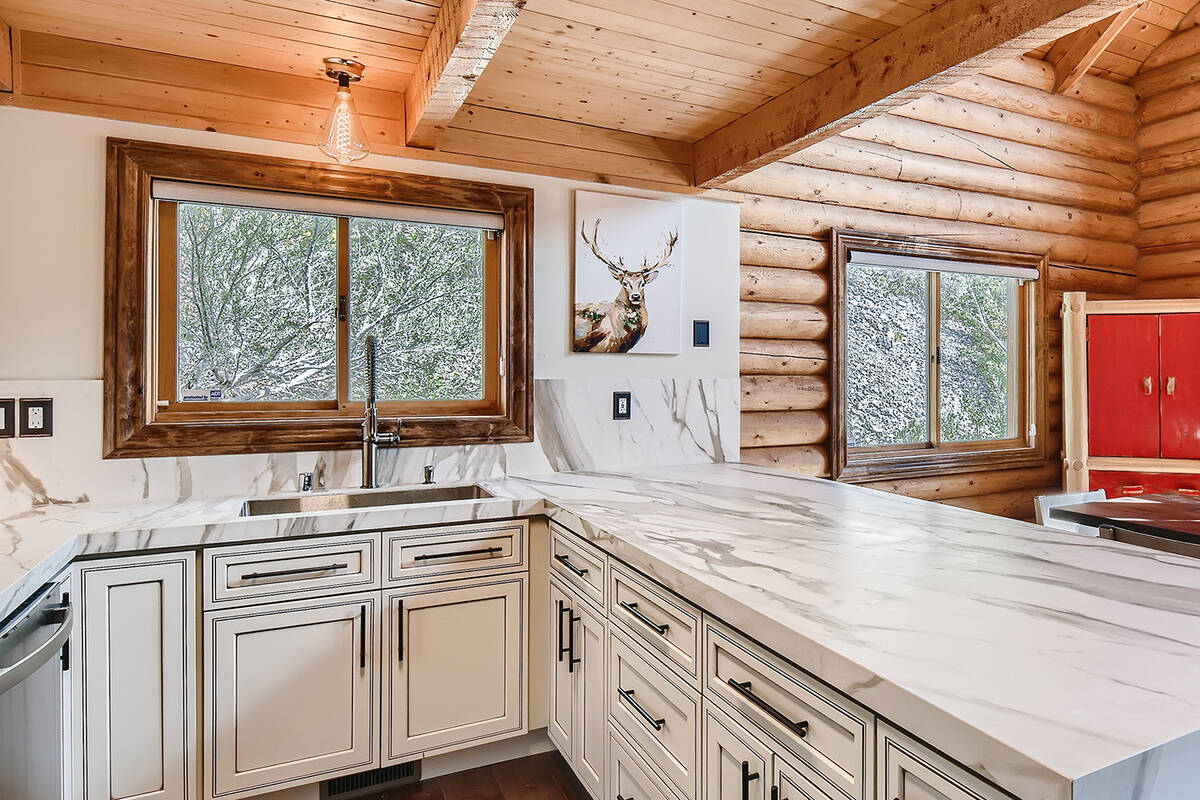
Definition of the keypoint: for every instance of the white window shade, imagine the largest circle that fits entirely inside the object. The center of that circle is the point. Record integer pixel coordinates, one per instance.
(865, 258)
(183, 192)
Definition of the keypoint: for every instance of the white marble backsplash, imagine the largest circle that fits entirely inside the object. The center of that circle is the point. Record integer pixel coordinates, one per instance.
(675, 421)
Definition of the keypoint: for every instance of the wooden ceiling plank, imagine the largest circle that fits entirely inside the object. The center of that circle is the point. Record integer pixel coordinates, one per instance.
(7, 69)
(802, 38)
(957, 39)
(655, 55)
(194, 20)
(296, 58)
(624, 21)
(857, 23)
(465, 37)
(517, 62)
(1072, 56)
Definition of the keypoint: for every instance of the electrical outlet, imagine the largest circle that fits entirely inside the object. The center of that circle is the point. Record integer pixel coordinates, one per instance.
(622, 405)
(8, 418)
(699, 333)
(36, 417)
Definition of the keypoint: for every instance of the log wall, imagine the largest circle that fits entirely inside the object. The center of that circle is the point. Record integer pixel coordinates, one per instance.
(1169, 166)
(992, 161)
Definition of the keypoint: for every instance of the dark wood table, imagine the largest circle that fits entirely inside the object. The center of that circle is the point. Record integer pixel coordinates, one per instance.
(1167, 521)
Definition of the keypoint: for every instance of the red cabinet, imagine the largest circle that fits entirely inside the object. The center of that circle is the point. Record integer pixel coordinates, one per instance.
(1144, 385)
(1179, 385)
(1132, 484)
(1123, 405)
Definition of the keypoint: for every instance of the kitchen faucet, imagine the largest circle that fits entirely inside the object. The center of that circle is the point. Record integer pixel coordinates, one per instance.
(371, 437)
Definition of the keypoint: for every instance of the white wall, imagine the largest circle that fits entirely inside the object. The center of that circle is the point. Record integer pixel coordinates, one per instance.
(52, 252)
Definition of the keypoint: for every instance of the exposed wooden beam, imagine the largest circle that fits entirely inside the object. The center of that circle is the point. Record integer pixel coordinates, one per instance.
(465, 36)
(956, 39)
(6, 58)
(1072, 56)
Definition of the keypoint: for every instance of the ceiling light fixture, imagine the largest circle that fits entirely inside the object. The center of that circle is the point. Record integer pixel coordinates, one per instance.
(342, 136)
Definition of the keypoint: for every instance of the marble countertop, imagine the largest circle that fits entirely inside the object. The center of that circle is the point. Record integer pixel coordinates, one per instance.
(1058, 666)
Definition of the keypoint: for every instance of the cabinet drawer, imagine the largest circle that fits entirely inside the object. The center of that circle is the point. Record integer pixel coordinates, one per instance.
(580, 564)
(825, 730)
(455, 552)
(658, 714)
(630, 777)
(910, 771)
(290, 570)
(669, 626)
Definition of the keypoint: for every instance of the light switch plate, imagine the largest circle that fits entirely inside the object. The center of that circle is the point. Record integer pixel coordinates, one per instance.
(622, 405)
(36, 417)
(8, 418)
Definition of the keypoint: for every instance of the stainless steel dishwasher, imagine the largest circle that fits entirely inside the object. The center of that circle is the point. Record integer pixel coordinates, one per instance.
(34, 689)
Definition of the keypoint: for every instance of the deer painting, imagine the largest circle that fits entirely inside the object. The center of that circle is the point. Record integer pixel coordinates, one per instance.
(617, 326)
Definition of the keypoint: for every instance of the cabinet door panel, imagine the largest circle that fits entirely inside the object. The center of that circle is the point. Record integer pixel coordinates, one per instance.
(457, 655)
(736, 765)
(136, 649)
(561, 726)
(590, 717)
(1123, 380)
(291, 693)
(1179, 358)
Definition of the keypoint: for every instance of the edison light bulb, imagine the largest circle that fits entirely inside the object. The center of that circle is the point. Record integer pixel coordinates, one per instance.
(342, 136)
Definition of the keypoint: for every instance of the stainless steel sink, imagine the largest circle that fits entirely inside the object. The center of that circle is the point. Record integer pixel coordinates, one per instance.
(348, 500)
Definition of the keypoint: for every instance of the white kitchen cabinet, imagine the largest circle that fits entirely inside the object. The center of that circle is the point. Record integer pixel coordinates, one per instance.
(577, 686)
(455, 674)
(737, 766)
(291, 693)
(909, 770)
(134, 662)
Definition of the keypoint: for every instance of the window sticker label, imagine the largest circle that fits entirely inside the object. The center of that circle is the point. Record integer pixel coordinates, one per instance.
(201, 395)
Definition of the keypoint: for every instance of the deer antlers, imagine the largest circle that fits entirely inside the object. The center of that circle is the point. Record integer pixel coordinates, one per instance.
(619, 264)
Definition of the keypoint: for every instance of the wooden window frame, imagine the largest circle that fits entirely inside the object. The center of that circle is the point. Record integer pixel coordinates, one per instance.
(1029, 385)
(136, 426)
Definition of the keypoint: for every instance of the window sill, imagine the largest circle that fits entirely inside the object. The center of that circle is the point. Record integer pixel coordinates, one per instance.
(172, 439)
(879, 466)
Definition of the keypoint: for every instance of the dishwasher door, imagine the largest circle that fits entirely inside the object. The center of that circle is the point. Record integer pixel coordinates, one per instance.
(33, 699)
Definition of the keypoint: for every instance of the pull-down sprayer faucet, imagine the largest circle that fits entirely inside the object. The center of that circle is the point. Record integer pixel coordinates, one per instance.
(371, 437)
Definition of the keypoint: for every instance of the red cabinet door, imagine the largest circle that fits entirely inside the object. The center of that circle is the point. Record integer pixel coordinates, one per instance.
(1123, 385)
(1179, 388)
(1132, 484)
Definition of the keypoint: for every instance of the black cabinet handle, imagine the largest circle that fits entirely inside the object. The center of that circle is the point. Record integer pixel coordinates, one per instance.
(657, 724)
(632, 608)
(799, 728)
(747, 776)
(566, 562)
(561, 650)
(400, 629)
(457, 553)
(619, 797)
(571, 659)
(280, 573)
(362, 637)
(774, 793)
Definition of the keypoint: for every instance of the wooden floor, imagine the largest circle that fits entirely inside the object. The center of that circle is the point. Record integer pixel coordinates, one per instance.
(542, 777)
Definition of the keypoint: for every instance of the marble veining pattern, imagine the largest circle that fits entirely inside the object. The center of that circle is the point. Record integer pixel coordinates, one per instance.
(675, 421)
(1059, 666)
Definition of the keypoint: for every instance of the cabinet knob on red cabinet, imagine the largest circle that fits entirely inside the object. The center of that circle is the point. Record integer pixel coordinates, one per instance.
(1147, 385)
(1171, 385)
(1189, 491)
(1136, 488)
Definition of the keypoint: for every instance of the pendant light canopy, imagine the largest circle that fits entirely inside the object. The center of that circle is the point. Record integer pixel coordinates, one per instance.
(342, 135)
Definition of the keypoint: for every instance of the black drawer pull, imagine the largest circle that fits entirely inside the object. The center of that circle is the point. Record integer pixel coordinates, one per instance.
(456, 553)
(566, 562)
(747, 776)
(362, 637)
(774, 793)
(280, 573)
(657, 724)
(632, 608)
(619, 797)
(799, 728)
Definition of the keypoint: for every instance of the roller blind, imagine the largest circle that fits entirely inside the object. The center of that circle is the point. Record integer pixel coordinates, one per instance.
(865, 258)
(184, 192)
